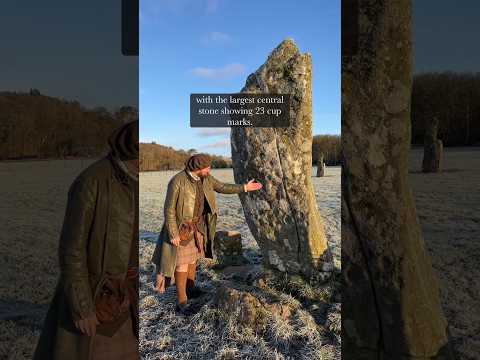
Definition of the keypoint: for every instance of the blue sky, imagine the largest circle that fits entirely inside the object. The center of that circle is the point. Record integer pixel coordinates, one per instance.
(211, 46)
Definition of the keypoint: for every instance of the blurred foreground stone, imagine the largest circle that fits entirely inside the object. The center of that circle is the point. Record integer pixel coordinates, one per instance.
(390, 304)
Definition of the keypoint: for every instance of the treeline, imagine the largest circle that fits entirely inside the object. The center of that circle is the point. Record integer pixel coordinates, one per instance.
(155, 157)
(454, 98)
(33, 125)
(329, 146)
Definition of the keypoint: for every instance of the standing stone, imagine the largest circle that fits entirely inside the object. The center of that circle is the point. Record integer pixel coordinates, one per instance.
(433, 148)
(282, 216)
(320, 167)
(390, 304)
(227, 248)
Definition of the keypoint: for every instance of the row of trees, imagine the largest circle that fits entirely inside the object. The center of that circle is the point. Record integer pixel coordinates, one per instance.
(33, 125)
(36, 126)
(329, 146)
(154, 157)
(453, 98)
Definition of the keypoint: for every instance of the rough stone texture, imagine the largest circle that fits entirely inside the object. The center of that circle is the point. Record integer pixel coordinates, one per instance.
(227, 248)
(249, 309)
(320, 167)
(283, 216)
(433, 148)
(391, 307)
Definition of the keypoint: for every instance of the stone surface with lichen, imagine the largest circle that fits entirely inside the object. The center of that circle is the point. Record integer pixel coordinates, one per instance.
(283, 216)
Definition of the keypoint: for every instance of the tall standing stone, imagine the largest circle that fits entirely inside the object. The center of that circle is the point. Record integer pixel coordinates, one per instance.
(390, 305)
(433, 148)
(283, 216)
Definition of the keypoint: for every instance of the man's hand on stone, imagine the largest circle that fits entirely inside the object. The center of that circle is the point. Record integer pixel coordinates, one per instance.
(253, 186)
(176, 241)
(160, 284)
(88, 326)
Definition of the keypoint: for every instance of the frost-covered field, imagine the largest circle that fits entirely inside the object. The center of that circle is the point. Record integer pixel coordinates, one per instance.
(448, 207)
(311, 333)
(153, 187)
(31, 215)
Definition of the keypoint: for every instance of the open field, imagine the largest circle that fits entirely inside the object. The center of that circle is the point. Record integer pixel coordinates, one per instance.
(32, 209)
(31, 216)
(448, 207)
(214, 335)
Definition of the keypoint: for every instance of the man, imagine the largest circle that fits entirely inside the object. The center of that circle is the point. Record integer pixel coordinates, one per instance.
(94, 312)
(190, 203)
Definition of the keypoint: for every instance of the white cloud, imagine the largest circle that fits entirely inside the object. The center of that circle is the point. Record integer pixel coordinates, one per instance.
(209, 132)
(218, 144)
(216, 37)
(226, 72)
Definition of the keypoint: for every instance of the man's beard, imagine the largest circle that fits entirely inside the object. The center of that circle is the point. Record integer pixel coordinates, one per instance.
(202, 176)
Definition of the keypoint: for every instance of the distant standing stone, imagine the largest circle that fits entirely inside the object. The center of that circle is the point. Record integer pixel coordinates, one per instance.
(433, 148)
(321, 169)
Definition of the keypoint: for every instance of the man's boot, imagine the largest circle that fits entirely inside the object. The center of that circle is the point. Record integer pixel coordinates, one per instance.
(192, 290)
(181, 284)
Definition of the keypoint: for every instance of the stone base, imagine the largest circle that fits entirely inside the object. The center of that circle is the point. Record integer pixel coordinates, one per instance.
(227, 249)
(249, 309)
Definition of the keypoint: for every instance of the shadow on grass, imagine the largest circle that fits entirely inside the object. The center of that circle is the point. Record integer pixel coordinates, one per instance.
(23, 313)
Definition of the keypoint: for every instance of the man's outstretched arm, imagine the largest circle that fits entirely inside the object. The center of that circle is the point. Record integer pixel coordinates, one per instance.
(225, 188)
